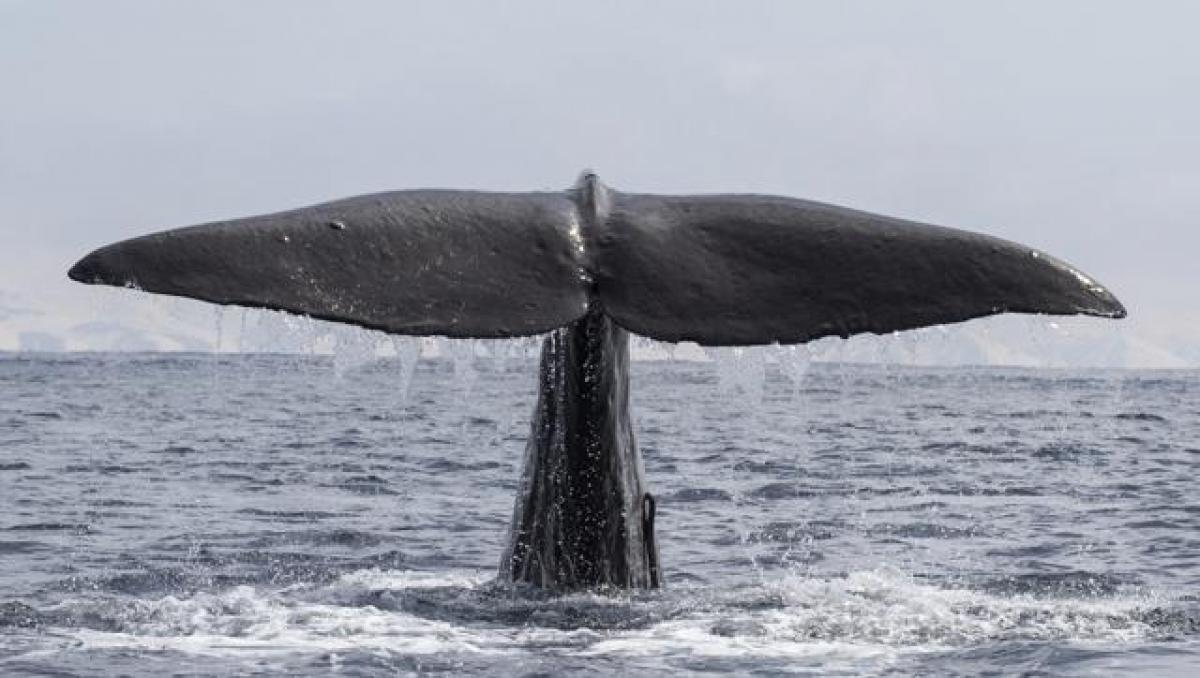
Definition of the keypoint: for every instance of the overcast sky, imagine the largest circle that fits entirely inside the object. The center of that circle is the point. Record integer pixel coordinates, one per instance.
(1070, 126)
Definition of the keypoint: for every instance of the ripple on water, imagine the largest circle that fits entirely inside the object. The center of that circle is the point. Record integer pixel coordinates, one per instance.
(785, 490)
(177, 449)
(10, 546)
(790, 532)
(690, 495)
(1142, 416)
(50, 527)
(292, 516)
(104, 469)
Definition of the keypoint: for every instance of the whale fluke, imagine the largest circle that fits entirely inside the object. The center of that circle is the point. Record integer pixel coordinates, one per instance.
(717, 269)
(425, 262)
(747, 269)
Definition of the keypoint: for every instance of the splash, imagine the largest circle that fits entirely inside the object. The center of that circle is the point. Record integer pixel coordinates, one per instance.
(873, 615)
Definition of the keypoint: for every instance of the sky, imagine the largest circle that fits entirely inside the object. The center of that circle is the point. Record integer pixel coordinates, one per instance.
(1068, 126)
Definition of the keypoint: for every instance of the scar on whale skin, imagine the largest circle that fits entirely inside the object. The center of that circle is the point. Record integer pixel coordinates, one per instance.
(590, 265)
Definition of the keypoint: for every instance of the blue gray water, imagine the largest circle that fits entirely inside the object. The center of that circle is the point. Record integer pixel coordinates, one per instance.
(241, 515)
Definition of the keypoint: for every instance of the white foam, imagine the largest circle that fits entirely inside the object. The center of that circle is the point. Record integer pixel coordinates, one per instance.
(872, 616)
(246, 620)
(879, 615)
(888, 607)
(375, 578)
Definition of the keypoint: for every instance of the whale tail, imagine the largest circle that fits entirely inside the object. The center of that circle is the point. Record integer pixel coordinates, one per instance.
(588, 265)
(718, 270)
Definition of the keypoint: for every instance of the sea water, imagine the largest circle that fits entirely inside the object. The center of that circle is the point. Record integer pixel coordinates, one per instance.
(194, 514)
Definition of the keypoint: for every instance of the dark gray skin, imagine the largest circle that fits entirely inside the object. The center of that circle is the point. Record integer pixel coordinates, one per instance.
(720, 270)
(582, 517)
(589, 265)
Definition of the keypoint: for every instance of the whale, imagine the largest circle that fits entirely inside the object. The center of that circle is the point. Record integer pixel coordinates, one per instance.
(587, 267)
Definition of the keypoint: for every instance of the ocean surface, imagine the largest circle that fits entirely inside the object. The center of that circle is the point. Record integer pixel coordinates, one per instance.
(218, 514)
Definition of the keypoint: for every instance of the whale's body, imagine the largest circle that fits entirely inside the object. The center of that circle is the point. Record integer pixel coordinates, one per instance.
(582, 517)
(589, 265)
